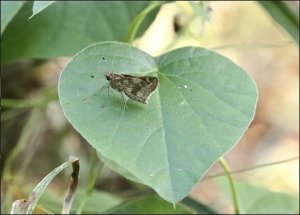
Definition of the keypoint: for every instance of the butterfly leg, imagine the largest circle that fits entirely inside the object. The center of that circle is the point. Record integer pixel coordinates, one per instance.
(97, 92)
(107, 95)
(125, 106)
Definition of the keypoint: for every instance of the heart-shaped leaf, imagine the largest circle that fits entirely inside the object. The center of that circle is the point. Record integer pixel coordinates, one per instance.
(201, 108)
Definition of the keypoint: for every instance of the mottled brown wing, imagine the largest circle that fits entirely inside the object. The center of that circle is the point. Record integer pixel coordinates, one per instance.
(138, 88)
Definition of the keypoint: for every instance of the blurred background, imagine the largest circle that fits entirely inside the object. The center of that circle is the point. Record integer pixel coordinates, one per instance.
(241, 31)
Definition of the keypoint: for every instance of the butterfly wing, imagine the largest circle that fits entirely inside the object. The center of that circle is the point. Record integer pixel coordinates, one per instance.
(138, 88)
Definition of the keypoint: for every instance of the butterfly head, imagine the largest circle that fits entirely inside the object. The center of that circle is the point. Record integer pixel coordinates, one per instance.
(109, 76)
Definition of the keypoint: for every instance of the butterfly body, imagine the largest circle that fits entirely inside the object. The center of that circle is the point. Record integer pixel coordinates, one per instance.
(135, 87)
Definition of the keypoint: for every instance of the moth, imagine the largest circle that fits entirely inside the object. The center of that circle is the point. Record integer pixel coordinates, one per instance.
(138, 88)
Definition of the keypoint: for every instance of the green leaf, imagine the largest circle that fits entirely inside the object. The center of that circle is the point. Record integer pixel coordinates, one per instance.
(38, 6)
(202, 107)
(197, 207)
(8, 10)
(259, 200)
(63, 28)
(148, 205)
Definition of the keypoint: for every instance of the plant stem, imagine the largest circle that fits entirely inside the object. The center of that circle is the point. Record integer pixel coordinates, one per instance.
(231, 184)
(138, 21)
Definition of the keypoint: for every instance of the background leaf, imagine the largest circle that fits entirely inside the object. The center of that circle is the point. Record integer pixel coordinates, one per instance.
(259, 200)
(8, 10)
(38, 6)
(197, 207)
(72, 26)
(202, 107)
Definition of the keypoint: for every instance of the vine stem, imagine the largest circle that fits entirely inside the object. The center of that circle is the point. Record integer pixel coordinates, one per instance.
(226, 168)
(134, 26)
(250, 168)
